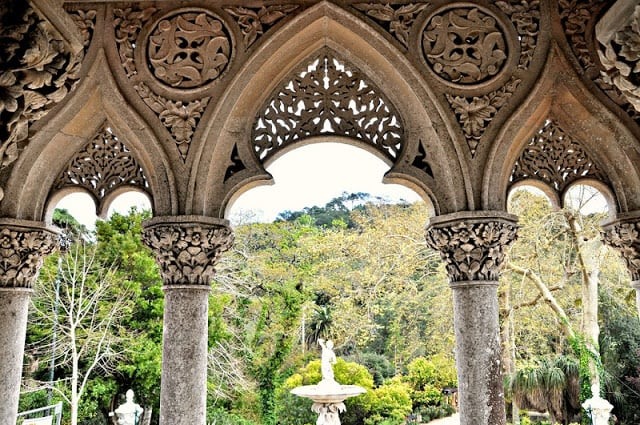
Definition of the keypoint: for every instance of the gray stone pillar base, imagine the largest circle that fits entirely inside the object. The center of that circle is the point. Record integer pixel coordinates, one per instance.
(183, 394)
(14, 305)
(481, 393)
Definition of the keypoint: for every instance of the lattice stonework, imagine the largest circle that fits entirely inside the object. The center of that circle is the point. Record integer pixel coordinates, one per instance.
(327, 96)
(102, 166)
(555, 158)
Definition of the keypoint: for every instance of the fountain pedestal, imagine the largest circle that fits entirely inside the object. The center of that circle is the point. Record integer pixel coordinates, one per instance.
(328, 399)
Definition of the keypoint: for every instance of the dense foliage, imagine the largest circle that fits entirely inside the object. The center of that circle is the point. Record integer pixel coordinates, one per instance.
(358, 272)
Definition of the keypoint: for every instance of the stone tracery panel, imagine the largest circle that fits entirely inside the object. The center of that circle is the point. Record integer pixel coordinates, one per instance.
(104, 165)
(555, 158)
(327, 96)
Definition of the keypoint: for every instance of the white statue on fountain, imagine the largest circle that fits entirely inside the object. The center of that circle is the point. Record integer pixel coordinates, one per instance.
(328, 395)
(129, 413)
(327, 360)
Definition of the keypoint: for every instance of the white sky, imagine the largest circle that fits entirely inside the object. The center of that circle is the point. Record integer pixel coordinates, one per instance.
(307, 176)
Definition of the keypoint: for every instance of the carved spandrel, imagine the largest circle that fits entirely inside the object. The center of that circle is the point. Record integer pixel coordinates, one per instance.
(22, 252)
(255, 21)
(397, 19)
(624, 237)
(473, 249)
(187, 252)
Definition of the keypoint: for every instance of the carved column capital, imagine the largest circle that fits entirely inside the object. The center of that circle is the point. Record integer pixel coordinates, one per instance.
(624, 236)
(188, 247)
(23, 246)
(472, 244)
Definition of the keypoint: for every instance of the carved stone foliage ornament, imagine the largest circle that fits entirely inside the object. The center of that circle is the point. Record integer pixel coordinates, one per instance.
(36, 72)
(127, 24)
(187, 249)
(255, 21)
(621, 59)
(475, 113)
(473, 249)
(188, 49)
(624, 237)
(577, 18)
(395, 18)
(464, 45)
(104, 165)
(327, 96)
(555, 158)
(22, 251)
(180, 118)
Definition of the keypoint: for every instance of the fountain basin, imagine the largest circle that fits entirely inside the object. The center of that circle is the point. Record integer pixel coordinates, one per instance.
(328, 393)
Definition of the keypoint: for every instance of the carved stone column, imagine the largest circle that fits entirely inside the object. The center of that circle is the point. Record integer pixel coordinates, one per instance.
(23, 246)
(187, 249)
(473, 245)
(624, 236)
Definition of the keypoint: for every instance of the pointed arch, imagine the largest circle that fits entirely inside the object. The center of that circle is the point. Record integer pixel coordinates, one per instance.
(561, 96)
(96, 100)
(227, 142)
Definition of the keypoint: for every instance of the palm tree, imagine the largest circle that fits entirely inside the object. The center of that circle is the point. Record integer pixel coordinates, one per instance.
(550, 386)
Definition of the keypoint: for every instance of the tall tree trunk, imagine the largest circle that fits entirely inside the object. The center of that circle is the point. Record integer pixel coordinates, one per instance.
(508, 345)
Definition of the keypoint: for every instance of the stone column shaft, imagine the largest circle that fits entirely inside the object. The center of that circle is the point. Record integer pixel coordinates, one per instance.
(23, 245)
(187, 248)
(473, 245)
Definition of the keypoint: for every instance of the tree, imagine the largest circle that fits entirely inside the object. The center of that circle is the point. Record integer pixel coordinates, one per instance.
(91, 305)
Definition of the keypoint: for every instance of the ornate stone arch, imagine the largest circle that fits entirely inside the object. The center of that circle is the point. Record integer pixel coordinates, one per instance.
(96, 101)
(562, 110)
(228, 156)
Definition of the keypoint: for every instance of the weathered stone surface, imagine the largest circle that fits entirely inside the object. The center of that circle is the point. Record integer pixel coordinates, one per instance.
(183, 396)
(14, 304)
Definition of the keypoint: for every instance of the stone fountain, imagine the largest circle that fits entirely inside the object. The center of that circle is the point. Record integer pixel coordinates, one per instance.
(328, 395)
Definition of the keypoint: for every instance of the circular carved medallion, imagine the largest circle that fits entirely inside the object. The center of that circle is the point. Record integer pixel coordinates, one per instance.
(189, 49)
(464, 45)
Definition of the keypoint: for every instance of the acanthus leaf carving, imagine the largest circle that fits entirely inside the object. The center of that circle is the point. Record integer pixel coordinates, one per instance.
(397, 19)
(187, 252)
(577, 17)
(180, 118)
(555, 158)
(22, 252)
(327, 96)
(127, 24)
(255, 21)
(473, 250)
(103, 166)
(621, 60)
(624, 237)
(525, 15)
(476, 113)
(36, 72)
(85, 20)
